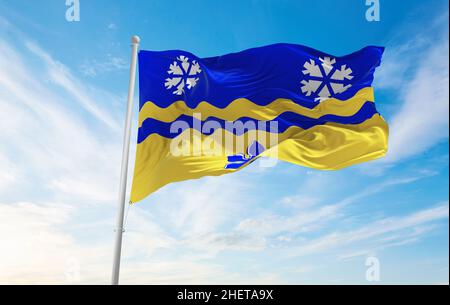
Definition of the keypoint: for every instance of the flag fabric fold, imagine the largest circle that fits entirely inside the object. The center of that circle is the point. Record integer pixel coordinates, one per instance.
(211, 116)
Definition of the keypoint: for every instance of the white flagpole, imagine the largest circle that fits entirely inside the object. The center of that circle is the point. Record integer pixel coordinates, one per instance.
(124, 170)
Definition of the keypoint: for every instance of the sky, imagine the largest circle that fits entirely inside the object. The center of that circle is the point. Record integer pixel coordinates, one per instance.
(63, 89)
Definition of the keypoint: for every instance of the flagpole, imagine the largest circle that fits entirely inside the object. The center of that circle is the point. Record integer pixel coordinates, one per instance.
(124, 169)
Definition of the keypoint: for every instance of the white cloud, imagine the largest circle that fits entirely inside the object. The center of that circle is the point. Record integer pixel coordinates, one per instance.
(56, 147)
(301, 222)
(111, 64)
(309, 214)
(8, 173)
(201, 207)
(31, 246)
(418, 71)
(299, 201)
(43, 132)
(376, 232)
(112, 26)
(61, 76)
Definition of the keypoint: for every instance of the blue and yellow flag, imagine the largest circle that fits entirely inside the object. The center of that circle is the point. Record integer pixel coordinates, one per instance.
(212, 116)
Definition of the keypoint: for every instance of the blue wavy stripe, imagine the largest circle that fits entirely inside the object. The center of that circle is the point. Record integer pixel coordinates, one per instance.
(260, 74)
(284, 120)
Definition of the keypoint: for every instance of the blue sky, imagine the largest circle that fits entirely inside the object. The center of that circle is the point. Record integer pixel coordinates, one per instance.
(62, 103)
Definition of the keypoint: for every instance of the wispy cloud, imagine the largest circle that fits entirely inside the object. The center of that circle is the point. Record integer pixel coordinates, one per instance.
(8, 174)
(110, 64)
(36, 249)
(374, 231)
(312, 215)
(112, 26)
(44, 132)
(418, 70)
(61, 76)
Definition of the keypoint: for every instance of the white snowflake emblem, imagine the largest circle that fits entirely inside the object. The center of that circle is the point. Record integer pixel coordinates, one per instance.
(183, 75)
(325, 80)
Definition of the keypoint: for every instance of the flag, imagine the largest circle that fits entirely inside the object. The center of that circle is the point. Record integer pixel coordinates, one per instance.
(212, 116)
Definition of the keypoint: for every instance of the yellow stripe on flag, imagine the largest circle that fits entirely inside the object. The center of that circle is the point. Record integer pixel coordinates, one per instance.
(244, 107)
(327, 147)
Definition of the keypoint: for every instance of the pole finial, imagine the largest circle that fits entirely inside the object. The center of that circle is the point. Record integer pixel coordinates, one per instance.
(135, 39)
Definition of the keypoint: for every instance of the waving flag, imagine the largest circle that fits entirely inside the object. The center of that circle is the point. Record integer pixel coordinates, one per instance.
(211, 116)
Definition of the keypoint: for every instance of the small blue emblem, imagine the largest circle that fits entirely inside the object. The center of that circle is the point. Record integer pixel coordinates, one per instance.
(239, 160)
